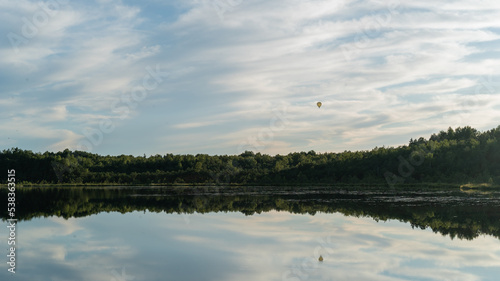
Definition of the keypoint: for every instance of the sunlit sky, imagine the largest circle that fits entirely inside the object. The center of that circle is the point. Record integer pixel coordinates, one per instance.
(220, 77)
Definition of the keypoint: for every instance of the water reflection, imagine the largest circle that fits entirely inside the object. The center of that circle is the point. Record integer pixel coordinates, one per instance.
(232, 246)
(457, 214)
(161, 244)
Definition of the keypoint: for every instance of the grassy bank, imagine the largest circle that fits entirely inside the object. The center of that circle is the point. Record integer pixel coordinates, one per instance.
(228, 188)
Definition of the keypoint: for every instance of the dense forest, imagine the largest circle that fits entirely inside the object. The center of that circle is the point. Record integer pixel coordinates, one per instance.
(476, 214)
(455, 156)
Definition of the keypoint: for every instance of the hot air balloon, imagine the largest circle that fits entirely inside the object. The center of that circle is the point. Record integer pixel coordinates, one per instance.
(319, 104)
(320, 258)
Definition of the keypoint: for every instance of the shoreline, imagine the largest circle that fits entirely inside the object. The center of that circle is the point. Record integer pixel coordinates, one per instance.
(227, 188)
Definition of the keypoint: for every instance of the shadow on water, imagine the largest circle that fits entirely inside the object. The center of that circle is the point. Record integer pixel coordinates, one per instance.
(464, 215)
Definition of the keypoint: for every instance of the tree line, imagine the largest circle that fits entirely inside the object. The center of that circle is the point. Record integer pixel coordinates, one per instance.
(458, 155)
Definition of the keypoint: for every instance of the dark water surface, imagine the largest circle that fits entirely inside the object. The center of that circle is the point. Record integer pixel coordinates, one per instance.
(124, 234)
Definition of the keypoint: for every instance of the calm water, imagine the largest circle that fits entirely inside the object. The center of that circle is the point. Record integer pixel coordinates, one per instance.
(152, 235)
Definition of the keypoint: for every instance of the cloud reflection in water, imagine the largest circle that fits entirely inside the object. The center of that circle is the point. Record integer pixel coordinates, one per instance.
(232, 246)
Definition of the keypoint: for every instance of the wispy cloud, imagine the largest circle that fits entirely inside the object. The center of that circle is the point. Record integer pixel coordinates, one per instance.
(375, 65)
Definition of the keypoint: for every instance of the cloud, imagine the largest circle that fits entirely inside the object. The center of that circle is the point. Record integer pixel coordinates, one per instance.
(375, 66)
(193, 125)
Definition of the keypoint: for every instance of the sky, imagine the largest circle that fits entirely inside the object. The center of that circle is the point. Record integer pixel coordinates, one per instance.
(224, 76)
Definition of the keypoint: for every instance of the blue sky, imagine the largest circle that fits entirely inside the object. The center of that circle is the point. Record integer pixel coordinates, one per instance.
(224, 76)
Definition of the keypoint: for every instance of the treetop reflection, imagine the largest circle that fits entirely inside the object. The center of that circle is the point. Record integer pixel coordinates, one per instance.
(452, 213)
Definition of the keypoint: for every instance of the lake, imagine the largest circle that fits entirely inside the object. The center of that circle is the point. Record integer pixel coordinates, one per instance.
(143, 233)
